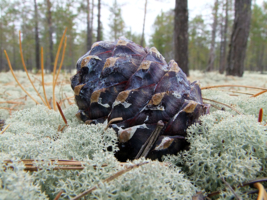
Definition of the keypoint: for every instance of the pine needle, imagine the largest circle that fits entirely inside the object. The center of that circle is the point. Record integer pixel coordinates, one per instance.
(43, 84)
(116, 175)
(217, 86)
(223, 104)
(5, 129)
(262, 92)
(62, 59)
(25, 68)
(62, 114)
(58, 195)
(11, 69)
(55, 67)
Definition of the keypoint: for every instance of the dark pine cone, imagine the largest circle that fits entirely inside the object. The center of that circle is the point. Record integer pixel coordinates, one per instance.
(123, 79)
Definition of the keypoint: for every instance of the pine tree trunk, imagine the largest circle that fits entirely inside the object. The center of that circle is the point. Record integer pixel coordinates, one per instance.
(89, 32)
(99, 35)
(224, 41)
(37, 41)
(1, 48)
(50, 30)
(239, 37)
(213, 38)
(143, 31)
(181, 35)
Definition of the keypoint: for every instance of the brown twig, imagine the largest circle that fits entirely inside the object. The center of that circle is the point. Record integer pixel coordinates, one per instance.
(55, 67)
(11, 69)
(58, 195)
(223, 104)
(146, 147)
(25, 68)
(43, 84)
(62, 114)
(116, 175)
(231, 189)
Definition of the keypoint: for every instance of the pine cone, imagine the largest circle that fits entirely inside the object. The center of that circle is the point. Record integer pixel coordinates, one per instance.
(123, 79)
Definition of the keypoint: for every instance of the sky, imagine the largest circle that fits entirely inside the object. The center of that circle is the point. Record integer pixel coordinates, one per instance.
(133, 12)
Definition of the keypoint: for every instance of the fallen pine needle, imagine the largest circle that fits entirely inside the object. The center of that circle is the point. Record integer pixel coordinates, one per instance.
(114, 176)
(223, 104)
(5, 129)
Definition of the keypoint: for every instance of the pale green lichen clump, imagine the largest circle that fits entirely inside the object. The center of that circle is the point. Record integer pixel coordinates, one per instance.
(33, 134)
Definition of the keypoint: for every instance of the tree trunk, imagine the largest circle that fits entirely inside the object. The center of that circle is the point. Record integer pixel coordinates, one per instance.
(14, 47)
(239, 37)
(213, 38)
(89, 32)
(37, 41)
(181, 35)
(99, 34)
(224, 41)
(143, 32)
(50, 30)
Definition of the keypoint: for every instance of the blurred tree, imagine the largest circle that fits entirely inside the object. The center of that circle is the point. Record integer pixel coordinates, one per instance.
(198, 43)
(239, 38)
(162, 38)
(37, 41)
(134, 37)
(50, 31)
(99, 26)
(256, 56)
(143, 31)
(213, 37)
(181, 35)
(116, 24)
(224, 35)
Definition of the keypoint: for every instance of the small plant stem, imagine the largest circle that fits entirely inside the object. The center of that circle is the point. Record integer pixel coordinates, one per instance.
(25, 68)
(42, 67)
(58, 195)
(62, 59)
(55, 67)
(262, 92)
(11, 69)
(62, 114)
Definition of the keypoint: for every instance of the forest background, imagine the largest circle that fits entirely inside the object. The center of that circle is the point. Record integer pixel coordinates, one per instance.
(42, 23)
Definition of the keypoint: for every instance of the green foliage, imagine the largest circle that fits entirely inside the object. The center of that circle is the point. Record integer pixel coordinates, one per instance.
(162, 38)
(198, 43)
(116, 23)
(136, 38)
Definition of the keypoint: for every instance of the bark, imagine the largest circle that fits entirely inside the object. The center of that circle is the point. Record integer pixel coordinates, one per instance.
(181, 35)
(143, 31)
(224, 41)
(1, 48)
(14, 47)
(213, 38)
(89, 32)
(37, 41)
(99, 34)
(50, 32)
(239, 37)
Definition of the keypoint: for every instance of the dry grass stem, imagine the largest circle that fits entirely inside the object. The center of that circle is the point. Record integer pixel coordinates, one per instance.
(262, 92)
(11, 69)
(223, 104)
(116, 175)
(5, 129)
(43, 84)
(58, 195)
(55, 67)
(13, 102)
(217, 86)
(62, 59)
(25, 68)
(262, 193)
(62, 114)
